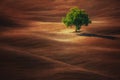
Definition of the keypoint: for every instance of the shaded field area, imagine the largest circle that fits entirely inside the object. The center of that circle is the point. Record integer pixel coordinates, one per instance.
(46, 50)
(49, 51)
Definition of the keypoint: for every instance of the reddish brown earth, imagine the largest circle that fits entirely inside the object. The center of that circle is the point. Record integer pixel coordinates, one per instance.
(49, 51)
(31, 49)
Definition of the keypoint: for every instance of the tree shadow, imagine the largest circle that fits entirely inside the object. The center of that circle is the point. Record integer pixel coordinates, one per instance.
(96, 35)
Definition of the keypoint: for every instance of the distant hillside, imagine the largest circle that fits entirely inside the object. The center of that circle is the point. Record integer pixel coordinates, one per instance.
(54, 10)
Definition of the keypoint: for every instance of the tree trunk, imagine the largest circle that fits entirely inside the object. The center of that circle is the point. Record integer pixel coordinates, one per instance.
(79, 27)
(76, 29)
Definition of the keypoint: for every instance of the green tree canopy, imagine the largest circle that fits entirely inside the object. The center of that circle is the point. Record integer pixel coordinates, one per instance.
(76, 17)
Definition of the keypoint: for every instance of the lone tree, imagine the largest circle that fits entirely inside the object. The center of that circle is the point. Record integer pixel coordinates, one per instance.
(76, 17)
